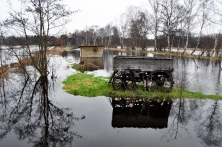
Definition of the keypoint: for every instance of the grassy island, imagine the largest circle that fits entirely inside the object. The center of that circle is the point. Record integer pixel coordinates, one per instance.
(90, 86)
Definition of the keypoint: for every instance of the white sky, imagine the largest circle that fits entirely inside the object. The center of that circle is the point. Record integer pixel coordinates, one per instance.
(92, 12)
(98, 12)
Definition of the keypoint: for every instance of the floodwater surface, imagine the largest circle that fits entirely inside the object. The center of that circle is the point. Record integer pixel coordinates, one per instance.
(34, 112)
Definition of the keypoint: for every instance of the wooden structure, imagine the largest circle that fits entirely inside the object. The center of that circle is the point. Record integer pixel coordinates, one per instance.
(153, 72)
(91, 51)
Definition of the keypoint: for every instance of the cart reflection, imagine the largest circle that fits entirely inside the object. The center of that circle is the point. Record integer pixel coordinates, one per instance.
(140, 113)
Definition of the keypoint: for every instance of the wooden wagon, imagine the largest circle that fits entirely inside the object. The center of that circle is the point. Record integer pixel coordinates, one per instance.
(153, 72)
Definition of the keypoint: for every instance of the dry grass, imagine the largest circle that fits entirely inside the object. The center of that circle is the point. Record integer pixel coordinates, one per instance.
(56, 51)
(4, 71)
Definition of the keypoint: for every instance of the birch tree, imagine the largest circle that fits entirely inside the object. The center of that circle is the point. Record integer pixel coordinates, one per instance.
(172, 14)
(155, 16)
(94, 31)
(123, 24)
(217, 20)
(189, 19)
(102, 33)
(213, 53)
(109, 34)
(204, 18)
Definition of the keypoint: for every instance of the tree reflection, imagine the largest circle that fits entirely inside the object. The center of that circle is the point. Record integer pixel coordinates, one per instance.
(30, 113)
(183, 110)
(209, 128)
(179, 119)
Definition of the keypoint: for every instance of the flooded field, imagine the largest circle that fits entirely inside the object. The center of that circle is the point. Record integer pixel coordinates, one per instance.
(34, 112)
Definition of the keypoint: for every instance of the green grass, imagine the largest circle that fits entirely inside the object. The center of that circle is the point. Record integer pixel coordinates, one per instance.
(90, 86)
(87, 85)
(76, 66)
(67, 48)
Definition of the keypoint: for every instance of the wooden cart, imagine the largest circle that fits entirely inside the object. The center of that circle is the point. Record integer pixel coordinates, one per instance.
(130, 72)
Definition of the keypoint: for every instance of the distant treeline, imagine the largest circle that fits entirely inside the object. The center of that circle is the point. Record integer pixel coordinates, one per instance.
(207, 42)
(31, 40)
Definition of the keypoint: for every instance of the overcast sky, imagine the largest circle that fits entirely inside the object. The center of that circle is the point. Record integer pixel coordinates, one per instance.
(92, 12)
(98, 12)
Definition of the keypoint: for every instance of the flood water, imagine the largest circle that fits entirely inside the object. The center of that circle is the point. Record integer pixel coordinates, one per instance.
(34, 113)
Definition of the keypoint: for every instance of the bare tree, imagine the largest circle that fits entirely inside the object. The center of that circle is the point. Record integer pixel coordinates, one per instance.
(143, 27)
(134, 34)
(155, 17)
(123, 24)
(44, 18)
(172, 14)
(94, 30)
(213, 53)
(189, 19)
(204, 18)
(109, 34)
(102, 33)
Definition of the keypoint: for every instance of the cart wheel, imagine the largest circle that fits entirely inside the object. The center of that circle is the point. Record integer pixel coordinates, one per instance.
(150, 84)
(123, 82)
(161, 81)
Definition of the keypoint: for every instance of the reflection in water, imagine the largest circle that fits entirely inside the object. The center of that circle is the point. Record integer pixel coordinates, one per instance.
(94, 61)
(140, 113)
(179, 117)
(28, 111)
(209, 129)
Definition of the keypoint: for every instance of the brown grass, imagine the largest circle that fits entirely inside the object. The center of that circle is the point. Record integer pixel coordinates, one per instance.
(4, 71)
(56, 51)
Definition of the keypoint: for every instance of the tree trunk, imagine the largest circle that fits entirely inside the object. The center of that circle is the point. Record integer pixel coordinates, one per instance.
(215, 45)
(168, 42)
(186, 44)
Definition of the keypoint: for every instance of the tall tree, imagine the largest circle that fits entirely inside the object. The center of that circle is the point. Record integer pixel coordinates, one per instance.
(122, 25)
(102, 33)
(115, 37)
(134, 34)
(189, 18)
(94, 30)
(155, 17)
(172, 14)
(204, 18)
(109, 30)
(143, 27)
(43, 18)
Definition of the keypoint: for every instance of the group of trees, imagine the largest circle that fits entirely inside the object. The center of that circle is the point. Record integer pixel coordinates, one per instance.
(163, 24)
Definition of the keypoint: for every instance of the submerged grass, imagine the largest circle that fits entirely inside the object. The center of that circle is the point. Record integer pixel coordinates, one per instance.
(90, 86)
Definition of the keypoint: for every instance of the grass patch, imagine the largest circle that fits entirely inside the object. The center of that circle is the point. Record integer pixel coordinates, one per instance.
(86, 85)
(75, 66)
(68, 48)
(90, 86)
(85, 67)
